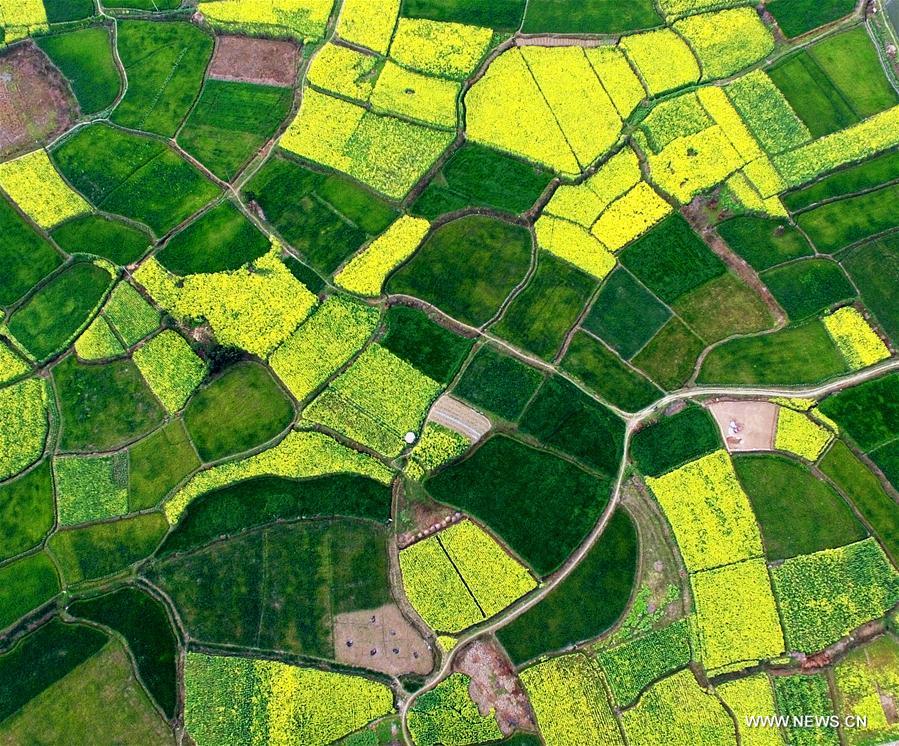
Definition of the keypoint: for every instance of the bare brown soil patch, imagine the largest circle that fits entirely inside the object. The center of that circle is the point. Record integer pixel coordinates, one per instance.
(36, 104)
(495, 685)
(382, 640)
(455, 415)
(746, 425)
(248, 60)
(428, 519)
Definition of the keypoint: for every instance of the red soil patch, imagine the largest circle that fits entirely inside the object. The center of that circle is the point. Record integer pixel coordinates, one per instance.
(36, 104)
(249, 60)
(495, 685)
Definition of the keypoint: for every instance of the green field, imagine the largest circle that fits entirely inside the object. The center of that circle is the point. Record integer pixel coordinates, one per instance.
(116, 240)
(671, 355)
(868, 174)
(590, 361)
(26, 511)
(26, 584)
(590, 17)
(158, 463)
(59, 11)
(467, 268)
(796, 17)
(625, 315)
(804, 288)
(497, 383)
(220, 240)
(586, 603)
(241, 409)
(85, 58)
(324, 217)
(722, 307)
(165, 64)
(50, 319)
(411, 335)
(675, 440)
(103, 406)
(481, 177)
(231, 122)
(764, 242)
(672, 259)
(134, 176)
(874, 268)
(502, 15)
(513, 488)
(541, 315)
(796, 355)
(26, 257)
(838, 224)
(797, 513)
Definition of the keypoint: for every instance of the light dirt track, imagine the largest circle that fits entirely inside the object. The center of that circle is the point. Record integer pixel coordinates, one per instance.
(519, 608)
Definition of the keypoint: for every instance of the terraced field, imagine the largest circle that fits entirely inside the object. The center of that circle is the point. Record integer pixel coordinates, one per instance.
(449, 372)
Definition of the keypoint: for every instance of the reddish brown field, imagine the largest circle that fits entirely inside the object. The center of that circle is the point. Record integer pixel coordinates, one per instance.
(36, 104)
(249, 60)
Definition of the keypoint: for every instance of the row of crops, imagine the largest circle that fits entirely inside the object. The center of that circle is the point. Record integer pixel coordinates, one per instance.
(350, 327)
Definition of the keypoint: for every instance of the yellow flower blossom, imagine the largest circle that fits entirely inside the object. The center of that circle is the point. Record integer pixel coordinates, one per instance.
(855, 339)
(34, 185)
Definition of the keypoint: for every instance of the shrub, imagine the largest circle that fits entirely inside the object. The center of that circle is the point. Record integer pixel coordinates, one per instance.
(301, 454)
(798, 434)
(826, 595)
(451, 50)
(90, 488)
(246, 700)
(366, 271)
(23, 425)
(663, 60)
(446, 715)
(726, 41)
(710, 514)
(857, 342)
(570, 701)
(321, 346)
(736, 615)
(171, 368)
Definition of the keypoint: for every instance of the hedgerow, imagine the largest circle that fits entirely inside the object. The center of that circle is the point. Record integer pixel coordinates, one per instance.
(368, 24)
(873, 135)
(676, 712)
(301, 454)
(255, 308)
(798, 434)
(98, 342)
(446, 715)
(23, 425)
(232, 700)
(410, 94)
(506, 110)
(618, 78)
(318, 349)
(736, 615)
(436, 446)
(366, 271)
(767, 112)
(494, 577)
(570, 87)
(857, 342)
(570, 701)
(633, 665)
(663, 60)
(130, 314)
(34, 185)
(751, 696)
(726, 41)
(90, 488)
(304, 19)
(451, 50)
(435, 589)
(825, 595)
(574, 244)
(630, 216)
(342, 70)
(710, 514)
(171, 368)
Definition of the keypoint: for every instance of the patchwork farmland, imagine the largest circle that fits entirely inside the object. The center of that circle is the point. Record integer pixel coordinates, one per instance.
(437, 372)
